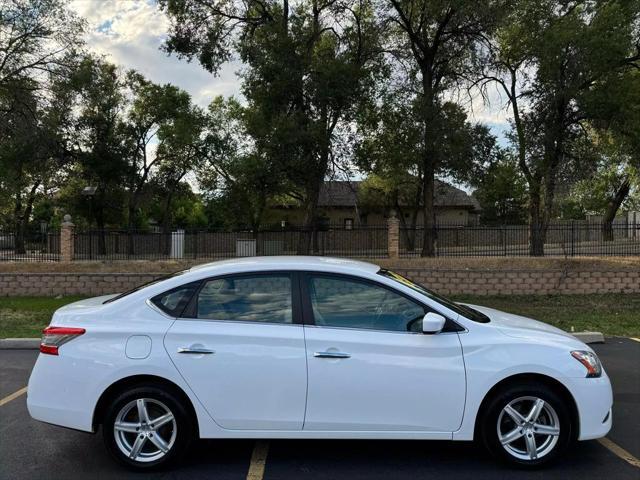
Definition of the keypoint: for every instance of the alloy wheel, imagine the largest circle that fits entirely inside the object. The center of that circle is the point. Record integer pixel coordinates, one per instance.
(528, 428)
(145, 430)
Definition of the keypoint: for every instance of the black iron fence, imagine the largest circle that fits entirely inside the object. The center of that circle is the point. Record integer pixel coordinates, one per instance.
(577, 238)
(34, 245)
(361, 241)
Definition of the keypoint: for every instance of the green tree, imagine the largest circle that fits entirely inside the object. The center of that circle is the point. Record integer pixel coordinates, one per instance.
(391, 148)
(182, 149)
(551, 59)
(21, 157)
(402, 191)
(501, 191)
(158, 119)
(436, 41)
(187, 207)
(101, 139)
(612, 181)
(307, 66)
(33, 149)
(618, 134)
(237, 175)
(36, 37)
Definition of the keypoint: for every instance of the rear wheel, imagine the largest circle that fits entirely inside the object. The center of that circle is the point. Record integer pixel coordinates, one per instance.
(147, 427)
(528, 425)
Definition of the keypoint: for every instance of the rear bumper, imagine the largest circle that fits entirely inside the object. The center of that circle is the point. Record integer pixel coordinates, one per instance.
(55, 395)
(594, 399)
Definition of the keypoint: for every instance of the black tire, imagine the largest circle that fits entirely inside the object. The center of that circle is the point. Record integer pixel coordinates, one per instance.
(524, 397)
(177, 436)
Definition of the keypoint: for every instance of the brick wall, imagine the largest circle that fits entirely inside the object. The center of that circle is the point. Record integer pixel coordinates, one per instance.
(53, 284)
(445, 281)
(525, 282)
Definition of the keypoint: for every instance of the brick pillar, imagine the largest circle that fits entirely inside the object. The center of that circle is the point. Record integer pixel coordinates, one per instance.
(393, 236)
(66, 239)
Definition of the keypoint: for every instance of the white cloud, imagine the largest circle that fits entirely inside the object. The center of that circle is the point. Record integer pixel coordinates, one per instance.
(130, 33)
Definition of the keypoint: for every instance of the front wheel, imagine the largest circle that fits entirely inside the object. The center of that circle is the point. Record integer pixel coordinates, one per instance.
(147, 427)
(529, 425)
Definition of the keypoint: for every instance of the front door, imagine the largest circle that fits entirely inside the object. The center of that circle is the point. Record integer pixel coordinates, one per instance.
(370, 367)
(242, 353)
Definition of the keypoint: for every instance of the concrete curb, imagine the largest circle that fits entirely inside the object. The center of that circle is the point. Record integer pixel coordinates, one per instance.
(589, 337)
(34, 343)
(19, 343)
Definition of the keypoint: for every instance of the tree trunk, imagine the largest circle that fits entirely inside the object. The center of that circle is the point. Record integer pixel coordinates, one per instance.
(131, 225)
(18, 226)
(165, 221)
(310, 223)
(99, 207)
(612, 209)
(537, 227)
(316, 180)
(428, 193)
(409, 231)
(546, 176)
(429, 162)
(21, 218)
(102, 234)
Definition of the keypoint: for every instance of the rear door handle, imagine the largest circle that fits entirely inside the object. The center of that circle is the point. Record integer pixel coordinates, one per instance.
(331, 355)
(195, 350)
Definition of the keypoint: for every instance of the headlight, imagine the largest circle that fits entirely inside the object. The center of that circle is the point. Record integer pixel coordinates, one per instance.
(590, 362)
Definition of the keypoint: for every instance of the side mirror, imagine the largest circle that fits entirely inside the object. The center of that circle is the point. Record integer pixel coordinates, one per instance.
(433, 323)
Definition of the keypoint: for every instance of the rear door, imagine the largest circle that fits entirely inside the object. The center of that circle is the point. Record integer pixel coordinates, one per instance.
(241, 349)
(370, 366)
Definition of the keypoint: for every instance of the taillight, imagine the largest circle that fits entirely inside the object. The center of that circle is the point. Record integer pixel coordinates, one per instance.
(54, 337)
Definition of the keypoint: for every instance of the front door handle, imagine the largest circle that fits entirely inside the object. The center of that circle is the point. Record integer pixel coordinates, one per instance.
(195, 350)
(331, 355)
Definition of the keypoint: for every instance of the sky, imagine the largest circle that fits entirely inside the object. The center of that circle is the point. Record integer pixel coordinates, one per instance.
(130, 33)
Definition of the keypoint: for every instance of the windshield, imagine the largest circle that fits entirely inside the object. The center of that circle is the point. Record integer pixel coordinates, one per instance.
(467, 312)
(140, 287)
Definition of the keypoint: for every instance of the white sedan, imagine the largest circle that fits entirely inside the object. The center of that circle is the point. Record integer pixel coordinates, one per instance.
(306, 347)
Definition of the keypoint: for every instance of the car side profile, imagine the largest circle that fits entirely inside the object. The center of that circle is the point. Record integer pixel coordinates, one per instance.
(311, 347)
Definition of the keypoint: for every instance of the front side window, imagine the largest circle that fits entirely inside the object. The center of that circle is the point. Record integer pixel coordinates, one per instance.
(465, 311)
(350, 303)
(257, 298)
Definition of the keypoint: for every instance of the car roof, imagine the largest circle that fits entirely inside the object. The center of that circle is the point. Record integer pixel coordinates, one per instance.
(295, 262)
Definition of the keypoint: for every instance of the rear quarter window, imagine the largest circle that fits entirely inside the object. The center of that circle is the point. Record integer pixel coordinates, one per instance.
(174, 301)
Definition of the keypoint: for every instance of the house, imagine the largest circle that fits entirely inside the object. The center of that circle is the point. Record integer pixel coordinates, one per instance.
(339, 205)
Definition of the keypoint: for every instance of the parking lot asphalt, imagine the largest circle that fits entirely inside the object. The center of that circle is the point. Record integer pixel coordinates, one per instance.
(33, 450)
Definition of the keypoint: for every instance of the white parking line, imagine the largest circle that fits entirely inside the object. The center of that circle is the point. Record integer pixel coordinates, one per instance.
(258, 461)
(620, 452)
(13, 396)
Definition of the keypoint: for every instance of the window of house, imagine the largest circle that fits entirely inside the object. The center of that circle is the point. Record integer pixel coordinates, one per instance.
(348, 223)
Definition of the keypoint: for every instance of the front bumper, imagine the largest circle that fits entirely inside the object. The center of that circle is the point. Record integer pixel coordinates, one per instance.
(594, 399)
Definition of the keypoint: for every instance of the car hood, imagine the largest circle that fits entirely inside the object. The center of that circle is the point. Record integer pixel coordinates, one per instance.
(523, 327)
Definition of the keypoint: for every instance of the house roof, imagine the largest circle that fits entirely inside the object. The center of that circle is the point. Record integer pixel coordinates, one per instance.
(336, 193)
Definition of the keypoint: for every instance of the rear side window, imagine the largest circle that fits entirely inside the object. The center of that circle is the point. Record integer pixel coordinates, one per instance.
(176, 300)
(247, 298)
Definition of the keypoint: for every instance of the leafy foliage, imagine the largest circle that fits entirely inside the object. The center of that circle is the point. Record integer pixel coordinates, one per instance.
(328, 88)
